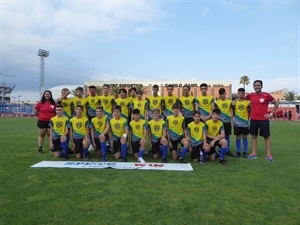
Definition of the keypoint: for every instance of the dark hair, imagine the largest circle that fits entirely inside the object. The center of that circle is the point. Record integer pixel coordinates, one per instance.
(140, 92)
(51, 100)
(216, 110)
(176, 106)
(196, 112)
(92, 86)
(221, 91)
(169, 86)
(155, 86)
(123, 90)
(79, 89)
(59, 106)
(80, 106)
(203, 85)
(117, 107)
(132, 89)
(241, 90)
(136, 111)
(105, 85)
(259, 81)
(100, 107)
(186, 86)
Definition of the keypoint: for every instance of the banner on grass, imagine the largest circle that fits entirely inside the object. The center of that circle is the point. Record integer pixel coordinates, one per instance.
(115, 165)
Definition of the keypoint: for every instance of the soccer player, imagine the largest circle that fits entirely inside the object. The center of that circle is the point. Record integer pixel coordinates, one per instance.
(195, 135)
(215, 136)
(107, 101)
(176, 133)
(241, 108)
(226, 116)
(66, 102)
(140, 104)
(79, 133)
(137, 135)
(187, 103)
(58, 133)
(99, 129)
(157, 136)
(168, 101)
(132, 97)
(124, 102)
(205, 103)
(118, 134)
(154, 101)
(259, 118)
(80, 100)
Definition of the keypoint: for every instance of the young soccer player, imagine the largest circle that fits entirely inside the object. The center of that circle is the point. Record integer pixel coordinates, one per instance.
(66, 102)
(79, 133)
(205, 103)
(157, 136)
(154, 101)
(176, 133)
(241, 108)
(80, 100)
(58, 133)
(140, 104)
(124, 102)
(168, 101)
(138, 135)
(107, 101)
(215, 136)
(226, 116)
(195, 135)
(118, 134)
(187, 103)
(99, 129)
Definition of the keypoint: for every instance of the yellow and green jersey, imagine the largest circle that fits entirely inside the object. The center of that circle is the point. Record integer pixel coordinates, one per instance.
(107, 102)
(141, 105)
(125, 104)
(67, 103)
(241, 113)
(79, 126)
(80, 101)
(168, 102)
(175, 126)
(188, 106)
(214, 129)
(118, 127)
(99, 124)
(92, 103)
(154, 102)
(137, 129)
(196, 131)
(59, 126)
(205, 104)
(156, 128)
(225, 108)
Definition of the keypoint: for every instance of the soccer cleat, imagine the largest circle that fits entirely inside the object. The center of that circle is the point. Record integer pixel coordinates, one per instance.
(229, 153)
(182, 160)
(91, 148)
(141, 160)
(244, 155)
(104, 159)
(223, 162)
(165, 160)
(252, 156)
(269, 158)
(40, 151)
(238, 154)
(202, 163)
(65, 158)
(85, 157)
(124, 159)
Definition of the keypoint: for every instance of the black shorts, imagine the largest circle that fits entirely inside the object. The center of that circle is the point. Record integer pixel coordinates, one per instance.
(78, 145)
(195, 154)
(262, 125)
(117, 145)
(241, 130)
(43, 124)
(155, 147)
(97, 142)
(175, 143)
(56, 145)
(227, 128)
(135, 146)
(187, 121)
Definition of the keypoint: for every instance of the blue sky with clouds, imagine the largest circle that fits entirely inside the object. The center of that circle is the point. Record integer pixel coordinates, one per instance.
(150, 40)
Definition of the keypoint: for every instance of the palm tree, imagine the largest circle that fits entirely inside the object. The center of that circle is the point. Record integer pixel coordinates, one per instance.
(99, 91)
(115, 91)
(144, 89)
(244, 80)
(290, 95)
(73, 92)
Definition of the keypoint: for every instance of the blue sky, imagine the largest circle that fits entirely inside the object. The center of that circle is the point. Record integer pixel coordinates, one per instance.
(150, 40)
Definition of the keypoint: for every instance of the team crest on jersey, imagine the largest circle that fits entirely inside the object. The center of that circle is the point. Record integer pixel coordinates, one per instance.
(186, 102)
(122, 104)
(139, 105)
(79, 125)
(137, 127)
(241, 107)
(100, 123)
(105, 102)
(196, 130)
(214, 128)
(170, 101)
(117, 126)
(175, 122)
(205, 101)
(155, 102)
(224, 105)
(78, 102)
(156, 128)
(261, 100)
(93, 100)
(65, 104)
(59, 124)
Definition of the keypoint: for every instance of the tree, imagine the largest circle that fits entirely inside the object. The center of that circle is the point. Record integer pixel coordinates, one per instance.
(244, 80)
(142, 88)
(115, 91)
(290, 95)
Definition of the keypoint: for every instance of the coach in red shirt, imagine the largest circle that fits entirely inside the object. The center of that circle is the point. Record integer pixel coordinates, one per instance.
(259, 118)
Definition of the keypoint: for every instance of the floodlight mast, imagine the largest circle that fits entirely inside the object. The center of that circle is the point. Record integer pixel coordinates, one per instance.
(42, 53)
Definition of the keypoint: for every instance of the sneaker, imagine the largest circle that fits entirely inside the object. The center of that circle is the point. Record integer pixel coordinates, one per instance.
(91, 148)
(104, 159)
(165, 160)
(269, 158)
(238, 154)
(229, 153)
(223, 162)
(85, 157)
(65, 157)
(202, 162)
(141, 160)
(182, 160)
(124, 159)
(40, 151)
(244, 155)
(252, 156)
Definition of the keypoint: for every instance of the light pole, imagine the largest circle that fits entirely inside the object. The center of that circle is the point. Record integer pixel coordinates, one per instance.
(42, 53)
(13, 97)
(19, 96)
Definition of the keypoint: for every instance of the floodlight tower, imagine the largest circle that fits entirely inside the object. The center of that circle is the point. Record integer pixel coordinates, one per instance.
(42, 53)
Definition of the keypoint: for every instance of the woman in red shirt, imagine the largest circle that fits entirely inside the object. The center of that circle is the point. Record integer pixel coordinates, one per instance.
(44, 110)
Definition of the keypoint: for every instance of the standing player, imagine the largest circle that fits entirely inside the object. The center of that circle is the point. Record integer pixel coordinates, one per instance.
(140, 104)
(226, 116)
(259, 118)
(195, 135)
(124, 102)
(107, 101)
(154, 101)
(137, 135)
(168, 101)
(187, 105)
(80, 100)
(241, 108)
(157, 136)
(118, 134)
(176, 133)
(66, 102)
(205, 103)
(99, 129)
(215, 136)
(79, 133)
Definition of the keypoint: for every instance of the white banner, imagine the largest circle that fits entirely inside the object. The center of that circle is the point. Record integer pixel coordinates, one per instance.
(115, 165)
